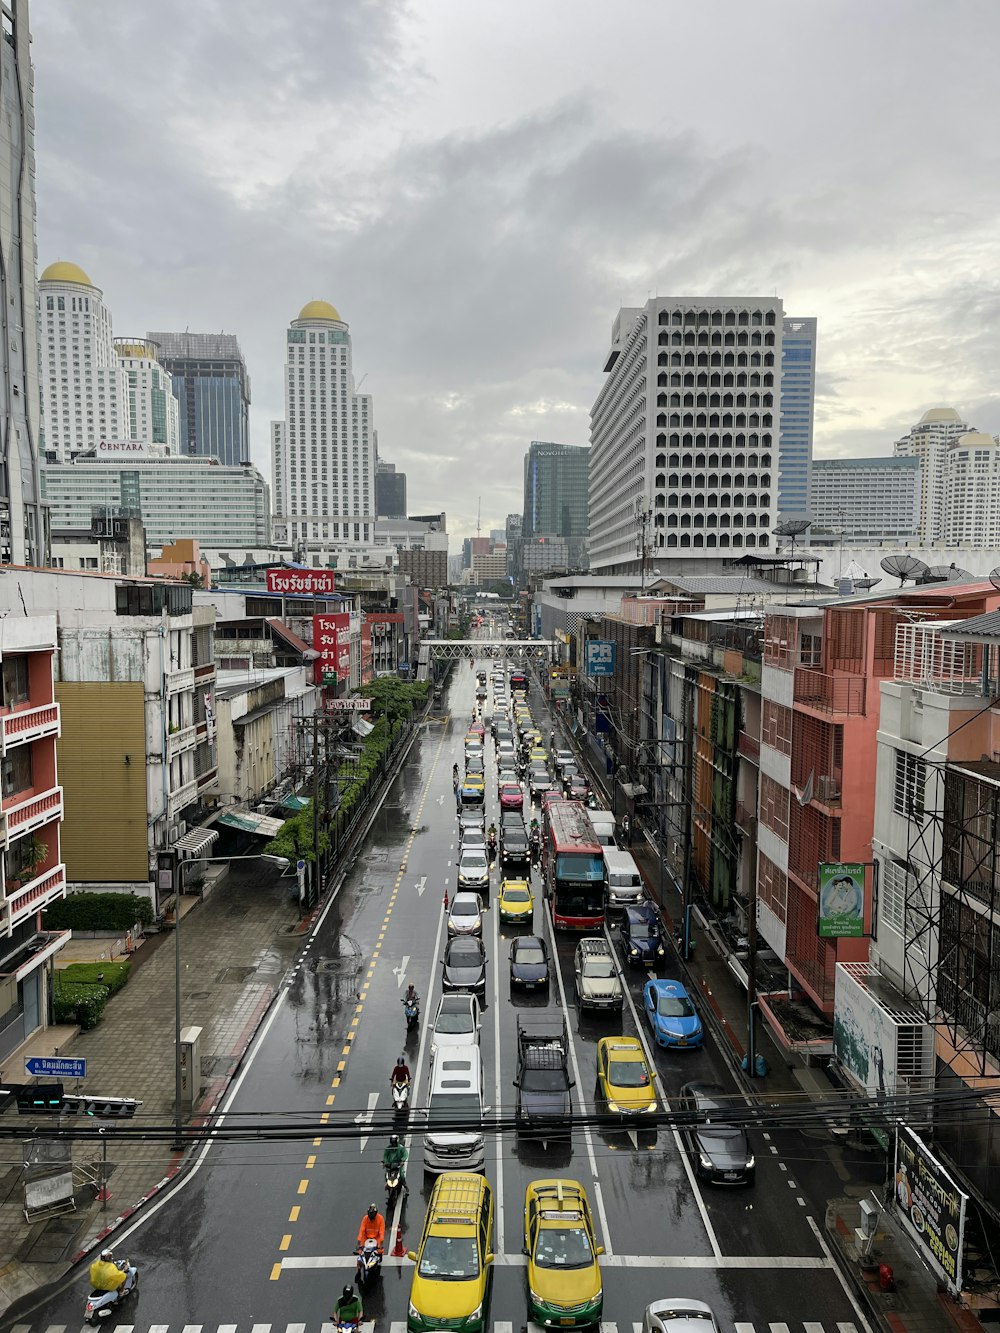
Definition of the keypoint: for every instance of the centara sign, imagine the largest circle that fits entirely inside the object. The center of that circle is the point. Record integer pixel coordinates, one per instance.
(289, 581)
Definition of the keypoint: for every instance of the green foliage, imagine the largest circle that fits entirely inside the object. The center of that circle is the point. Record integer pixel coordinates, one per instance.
(73, 1003)
(112, 976)
(98, 911)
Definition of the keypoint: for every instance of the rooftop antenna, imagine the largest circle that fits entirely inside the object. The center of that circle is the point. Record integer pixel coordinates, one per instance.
(479, 515)
(903, 566)
(994, 577)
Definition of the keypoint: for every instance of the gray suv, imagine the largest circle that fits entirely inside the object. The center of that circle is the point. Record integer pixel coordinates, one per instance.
(598, 985)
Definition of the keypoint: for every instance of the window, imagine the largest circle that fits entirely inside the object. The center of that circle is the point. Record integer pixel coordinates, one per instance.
(909, 785)
(776, 726)
(15, 680)
(895, 883)
(16, 771)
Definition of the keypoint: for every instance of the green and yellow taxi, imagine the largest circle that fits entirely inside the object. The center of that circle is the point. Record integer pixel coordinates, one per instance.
(475, 780)
(624, 1078)
(564, 1277)
(454, 1264)
(516, 902)
(536, 755)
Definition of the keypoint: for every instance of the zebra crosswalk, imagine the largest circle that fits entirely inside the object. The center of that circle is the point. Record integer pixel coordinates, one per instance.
(399, 1326)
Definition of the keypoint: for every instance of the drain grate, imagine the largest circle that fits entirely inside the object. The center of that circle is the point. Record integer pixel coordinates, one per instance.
(197, 995)
(292, 929)
(235, 974)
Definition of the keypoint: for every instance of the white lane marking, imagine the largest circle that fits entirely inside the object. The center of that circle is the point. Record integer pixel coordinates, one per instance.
(745, 1328)
(608, 1327)
(421, 885)
(192, 1328)
(707, 1262)
(498, 1192)
(400, 972)
(812, 1328)
(782, 1166)
(844, 1328)
(779, 1328)
(295, 1328)
(587, 1135)
(261, 1328)
(502, 1326)
(640, 1028)
(365, 1118)
(223, 1328)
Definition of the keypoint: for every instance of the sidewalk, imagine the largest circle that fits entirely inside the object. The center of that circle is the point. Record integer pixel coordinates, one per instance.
(235, 948)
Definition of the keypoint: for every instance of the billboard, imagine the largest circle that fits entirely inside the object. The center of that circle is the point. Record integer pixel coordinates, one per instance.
(842, 901)
(600, 657)
(332, 641)
(864, 1036)
(931, 1206)
(308, 582)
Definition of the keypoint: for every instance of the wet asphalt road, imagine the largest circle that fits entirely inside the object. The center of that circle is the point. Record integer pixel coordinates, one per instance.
(262, 1233)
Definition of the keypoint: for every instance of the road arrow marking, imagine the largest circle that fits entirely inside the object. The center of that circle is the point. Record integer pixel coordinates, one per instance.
(400, 972)
(421, 885)
(365, 1118)
(634, 1137)
(440, 800)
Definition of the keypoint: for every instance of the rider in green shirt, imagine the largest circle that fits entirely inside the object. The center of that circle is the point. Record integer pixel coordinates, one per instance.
(395, 1154)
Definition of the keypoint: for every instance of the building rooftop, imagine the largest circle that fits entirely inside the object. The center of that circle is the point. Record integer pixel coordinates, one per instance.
(726, 585)
(63, 271)
(902, 461)
(978, 629)
(947, 415)
(319, 310)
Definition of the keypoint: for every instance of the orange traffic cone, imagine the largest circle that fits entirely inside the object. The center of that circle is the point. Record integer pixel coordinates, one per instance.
(446, 900)
(397, 1249)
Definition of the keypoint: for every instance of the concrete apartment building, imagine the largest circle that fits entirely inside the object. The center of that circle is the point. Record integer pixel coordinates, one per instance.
(929, 440)
(798, 411)
(972, 480)
(261, 730)
(865, 499)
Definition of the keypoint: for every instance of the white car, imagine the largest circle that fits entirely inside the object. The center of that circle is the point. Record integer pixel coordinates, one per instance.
(679, 1316)
(473, 838)
(505, 754)
(465, 916)
(456, 1022)
(473, 869)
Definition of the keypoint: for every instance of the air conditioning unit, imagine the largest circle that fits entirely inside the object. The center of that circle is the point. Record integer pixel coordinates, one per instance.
(827, 789)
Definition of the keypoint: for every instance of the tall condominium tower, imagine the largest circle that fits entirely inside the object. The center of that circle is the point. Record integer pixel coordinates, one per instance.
(23, 526)
(325, 477)
(972, 486)
(390, 491)
(798, 408)
(212, 388)
(929, 440)
(684, 432)
(555, 495)
(150, 406)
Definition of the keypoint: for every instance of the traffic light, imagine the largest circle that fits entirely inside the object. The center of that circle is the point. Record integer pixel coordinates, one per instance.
(40, 1099)
(109, 1108)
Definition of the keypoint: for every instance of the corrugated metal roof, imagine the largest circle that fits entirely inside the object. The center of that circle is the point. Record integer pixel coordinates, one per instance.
(727, 585)
(979, 629)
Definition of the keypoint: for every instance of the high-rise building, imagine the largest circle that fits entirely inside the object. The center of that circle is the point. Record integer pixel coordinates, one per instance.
(972, 487)
(390, 491)
(515, 542)
(928, 440)
(865, 499)
(326, 478)
(556, 495)
(151, 414)
(798, 406)
(472, 546)
(23, 527)
(210, 382)
(700, 454)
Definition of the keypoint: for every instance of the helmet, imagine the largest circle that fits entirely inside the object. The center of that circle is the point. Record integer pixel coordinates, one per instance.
(348, 1293)
(107, 1255)
(394, 1141)
(372, 1211)
(400, 1062)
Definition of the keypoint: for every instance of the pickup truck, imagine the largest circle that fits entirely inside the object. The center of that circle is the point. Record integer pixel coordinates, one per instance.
(543, 1108)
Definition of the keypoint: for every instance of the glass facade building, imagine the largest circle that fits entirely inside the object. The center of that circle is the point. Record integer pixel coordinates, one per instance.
(212, 388)
(556, 481)
(798, 401)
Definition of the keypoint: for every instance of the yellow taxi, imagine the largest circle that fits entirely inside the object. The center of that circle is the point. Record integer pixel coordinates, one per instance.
(516, 902)
(564, 1277)
(475, 780)
(454, 1276)
(537, 755)
(624, 1078)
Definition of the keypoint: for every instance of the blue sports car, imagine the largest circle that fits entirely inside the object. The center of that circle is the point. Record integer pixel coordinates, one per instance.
(671, 1014)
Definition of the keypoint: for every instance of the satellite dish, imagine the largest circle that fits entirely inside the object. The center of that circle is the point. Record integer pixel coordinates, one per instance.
(995, 577)
(865, 584)
(903, 566)
(944, 573)
(792, 527)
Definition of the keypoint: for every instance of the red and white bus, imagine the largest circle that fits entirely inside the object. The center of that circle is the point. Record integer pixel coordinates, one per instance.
(573, 866)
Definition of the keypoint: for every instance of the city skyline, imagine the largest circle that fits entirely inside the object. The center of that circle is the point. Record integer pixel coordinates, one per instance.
(851, 218)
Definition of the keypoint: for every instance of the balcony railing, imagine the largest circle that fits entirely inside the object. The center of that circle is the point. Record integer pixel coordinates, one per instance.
(180, 741)
(179, 681)
(746, 818)
(33, 896)
(748, 746)
(28, 724)
(829, 693)
(31, 814)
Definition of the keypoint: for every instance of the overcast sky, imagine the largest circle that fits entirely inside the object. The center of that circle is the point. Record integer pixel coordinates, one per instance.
(478, 186)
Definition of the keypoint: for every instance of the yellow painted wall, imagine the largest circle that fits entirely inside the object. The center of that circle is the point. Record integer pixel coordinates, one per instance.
(103, 834)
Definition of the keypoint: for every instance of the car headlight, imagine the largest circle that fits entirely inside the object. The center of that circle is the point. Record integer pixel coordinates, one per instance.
(634, 953)
(704, 1161)
(412, 1311)
(477, 1313)
(660, 950)
(613, 1106)
(751, 1163)
(533, 1295)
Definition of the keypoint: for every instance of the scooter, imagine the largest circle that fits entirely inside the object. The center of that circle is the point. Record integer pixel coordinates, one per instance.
(400, 1095)
(411, 1008)
(393, 1184)
(101, 1304)
(369, 1264)
(492, 846)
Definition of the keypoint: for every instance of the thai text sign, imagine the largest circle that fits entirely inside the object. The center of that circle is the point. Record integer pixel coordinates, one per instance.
(352, 705)
(310, 582)
(841, 901)
(332, 641)
(931, 1205)
(600, 657)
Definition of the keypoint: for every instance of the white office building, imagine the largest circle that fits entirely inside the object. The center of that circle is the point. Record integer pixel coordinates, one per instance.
(324, 461)
(151, 410)
(175, 495)
(685, 430)
(972, 480)
(865, 499)
(928, 440)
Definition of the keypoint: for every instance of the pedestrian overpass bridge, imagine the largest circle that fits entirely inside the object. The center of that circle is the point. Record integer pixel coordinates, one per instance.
(517, 652)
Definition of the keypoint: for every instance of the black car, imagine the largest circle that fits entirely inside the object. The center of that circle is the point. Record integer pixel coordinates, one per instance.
(529, 962)
(464, 965)
(515, 850)
(720, 1151)
(640, 937)
(511, 819)
(543, 1082)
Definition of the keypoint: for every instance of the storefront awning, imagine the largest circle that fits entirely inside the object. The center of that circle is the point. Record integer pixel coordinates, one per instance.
(196, 843)
(360, 727)
(248, 821)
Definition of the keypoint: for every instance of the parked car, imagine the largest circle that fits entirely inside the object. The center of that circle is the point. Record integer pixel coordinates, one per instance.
(463, 966)
(640, 937)
(720, 1151)
(671, 1013)
(598, 985)
(456, 1022)
(529, 962)
(465, 915)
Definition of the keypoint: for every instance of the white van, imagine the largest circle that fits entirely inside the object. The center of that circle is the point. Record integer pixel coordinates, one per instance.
(456, 1095)
(603, 824)
(623, 883)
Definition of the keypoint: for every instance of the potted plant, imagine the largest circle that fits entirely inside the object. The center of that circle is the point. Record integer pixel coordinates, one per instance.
(35, 853)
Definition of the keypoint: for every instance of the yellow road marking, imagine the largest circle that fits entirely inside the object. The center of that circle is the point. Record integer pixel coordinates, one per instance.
(285, 1242)
(340, 1067)
(310, 1161)
(293, 1216)
(330, 1099)
(303, 1186)
(276, 1271)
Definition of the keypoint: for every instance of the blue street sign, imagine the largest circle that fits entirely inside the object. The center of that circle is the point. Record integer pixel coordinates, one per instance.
(600, 657)
(55, 1066)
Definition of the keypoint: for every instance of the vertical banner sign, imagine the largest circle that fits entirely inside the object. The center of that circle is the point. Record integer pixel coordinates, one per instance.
(210, 716)
(332, 641)
(841, 901)
(367, 669)
(600, 657)
(931, 1206)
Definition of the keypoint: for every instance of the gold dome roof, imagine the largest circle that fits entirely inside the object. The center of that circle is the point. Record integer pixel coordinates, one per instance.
(63, 271)
(319, 310)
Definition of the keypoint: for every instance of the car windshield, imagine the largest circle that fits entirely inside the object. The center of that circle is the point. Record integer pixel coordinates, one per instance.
(449, 1258)
(464, 909)
(518, 895)
(544, 1080)
(641, 930)
(628, 1074)
(465, 953)
(601, 968)
(473, 861)
(675, 1006)
(455, 1022)
(563, 1248)
(530, 953)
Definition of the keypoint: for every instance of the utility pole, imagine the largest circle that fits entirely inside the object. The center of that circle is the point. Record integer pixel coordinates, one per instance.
(314, 896)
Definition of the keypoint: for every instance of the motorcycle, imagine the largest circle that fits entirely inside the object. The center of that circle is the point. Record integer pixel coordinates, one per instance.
(393, 1184)
(491, 844)
(400, 1095)
(534, 844)
(100, 1304)
(411, 1008)
(369, 1264)
(346, 1325)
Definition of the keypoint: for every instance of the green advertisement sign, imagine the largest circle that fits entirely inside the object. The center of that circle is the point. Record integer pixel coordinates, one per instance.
(842, 901)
